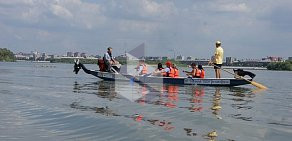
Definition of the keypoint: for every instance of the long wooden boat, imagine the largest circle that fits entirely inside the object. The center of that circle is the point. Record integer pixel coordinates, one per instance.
(166, 80)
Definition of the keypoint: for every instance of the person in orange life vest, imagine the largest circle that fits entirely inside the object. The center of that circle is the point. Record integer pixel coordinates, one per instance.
(176, 71)
(142, 68)
(168, 71)
(202, 75)
(195, 73)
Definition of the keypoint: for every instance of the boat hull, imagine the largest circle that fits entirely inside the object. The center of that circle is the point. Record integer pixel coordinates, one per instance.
(167, 80)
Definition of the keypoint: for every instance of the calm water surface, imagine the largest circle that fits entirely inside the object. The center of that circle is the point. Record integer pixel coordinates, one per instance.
(48, 102)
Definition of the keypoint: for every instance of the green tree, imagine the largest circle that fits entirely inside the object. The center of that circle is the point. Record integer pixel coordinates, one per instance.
(6, 55)
(287, 65)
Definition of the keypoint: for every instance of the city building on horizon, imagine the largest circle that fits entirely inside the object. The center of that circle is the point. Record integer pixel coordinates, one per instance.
(69, 54)
(180, 58)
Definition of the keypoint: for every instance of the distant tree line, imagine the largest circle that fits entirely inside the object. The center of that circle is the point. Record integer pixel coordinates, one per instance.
(71, 61)
(6, 55)
(287, 66)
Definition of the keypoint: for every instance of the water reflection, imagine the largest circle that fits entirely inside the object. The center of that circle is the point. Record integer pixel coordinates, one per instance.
(216, 107)
(170, 96)
(242, 100)
(101, 110)
(190, 98)
(106, 111)
(164, 95)
(103, 89)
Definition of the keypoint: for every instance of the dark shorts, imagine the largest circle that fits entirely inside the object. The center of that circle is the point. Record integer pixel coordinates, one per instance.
(217, 66)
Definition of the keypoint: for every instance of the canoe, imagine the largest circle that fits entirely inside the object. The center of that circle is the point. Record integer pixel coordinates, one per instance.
(226, 82)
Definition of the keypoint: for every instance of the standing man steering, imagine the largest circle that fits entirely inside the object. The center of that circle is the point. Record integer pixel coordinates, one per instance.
(218, 59)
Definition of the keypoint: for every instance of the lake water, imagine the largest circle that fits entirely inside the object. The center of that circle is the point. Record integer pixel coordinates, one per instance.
(49, 102)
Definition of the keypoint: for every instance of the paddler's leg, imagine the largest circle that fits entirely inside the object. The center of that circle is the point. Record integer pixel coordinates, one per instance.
(108, 65)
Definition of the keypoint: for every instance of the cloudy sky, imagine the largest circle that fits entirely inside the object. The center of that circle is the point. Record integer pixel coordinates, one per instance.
(247, 28)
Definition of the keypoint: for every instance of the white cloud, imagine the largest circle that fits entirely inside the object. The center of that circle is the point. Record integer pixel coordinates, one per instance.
(60, 11)
(232, 7)
(76, 13)
(159, 22)
(137, 26)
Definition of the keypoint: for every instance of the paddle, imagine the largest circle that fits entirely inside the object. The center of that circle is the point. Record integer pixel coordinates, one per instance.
(114, 70)
(251, 82)
(146, 75)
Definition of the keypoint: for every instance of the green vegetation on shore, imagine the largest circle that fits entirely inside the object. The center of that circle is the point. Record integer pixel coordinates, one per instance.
(6, 55)
(123, 62)
(71, 61)
(287, 66)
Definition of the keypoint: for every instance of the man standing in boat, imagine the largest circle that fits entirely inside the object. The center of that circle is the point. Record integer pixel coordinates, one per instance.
(218, 59)
(108, 59)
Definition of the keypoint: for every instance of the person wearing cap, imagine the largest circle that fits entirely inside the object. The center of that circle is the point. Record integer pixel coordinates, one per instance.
(168, 71)
(218, 59)
(108, 59)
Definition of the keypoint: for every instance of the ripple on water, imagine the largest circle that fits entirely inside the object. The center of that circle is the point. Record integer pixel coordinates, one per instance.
(62, 106)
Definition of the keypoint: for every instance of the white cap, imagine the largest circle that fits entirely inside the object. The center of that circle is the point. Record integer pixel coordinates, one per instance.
(218, 42)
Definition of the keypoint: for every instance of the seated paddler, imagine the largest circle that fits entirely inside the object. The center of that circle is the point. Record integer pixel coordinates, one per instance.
(169, 70)
(142, 68)
(109, 61)
(195, 73)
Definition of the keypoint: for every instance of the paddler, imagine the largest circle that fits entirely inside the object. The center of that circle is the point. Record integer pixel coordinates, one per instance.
(168, 71)
(158, 70)
(142, 68)
(176, 71)
(109, 59)
(195, 73)
(202, 75)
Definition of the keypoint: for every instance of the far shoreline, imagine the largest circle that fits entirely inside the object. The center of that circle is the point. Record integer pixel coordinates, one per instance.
(180, 65)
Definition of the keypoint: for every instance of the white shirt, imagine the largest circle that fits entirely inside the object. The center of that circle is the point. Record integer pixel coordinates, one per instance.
(167, 70)
(107, 56)
(140, 69)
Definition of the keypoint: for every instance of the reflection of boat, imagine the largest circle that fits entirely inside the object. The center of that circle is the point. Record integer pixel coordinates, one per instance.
(165, 80)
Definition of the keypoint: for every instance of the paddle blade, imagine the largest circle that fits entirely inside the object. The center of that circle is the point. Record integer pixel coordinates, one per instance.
(258, 85)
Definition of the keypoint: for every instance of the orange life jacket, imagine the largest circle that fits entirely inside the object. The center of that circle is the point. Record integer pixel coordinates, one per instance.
(202, 74)
(144, 70)
(176, 72)
(198, 73)
(170, 73)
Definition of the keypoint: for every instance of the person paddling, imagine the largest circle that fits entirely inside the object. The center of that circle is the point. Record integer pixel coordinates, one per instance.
(158, 70)
(109, 59)
(202, 75)
(195, 73)
(176, 71)
(168, 71)
(142, 68)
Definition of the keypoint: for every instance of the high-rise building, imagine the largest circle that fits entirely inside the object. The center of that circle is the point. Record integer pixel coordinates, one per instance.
(189, 58)
(290, 58)
(69, 54)
(76, 54)
(180, 58)
(43, 57)
(83, 55)
(229, 60)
